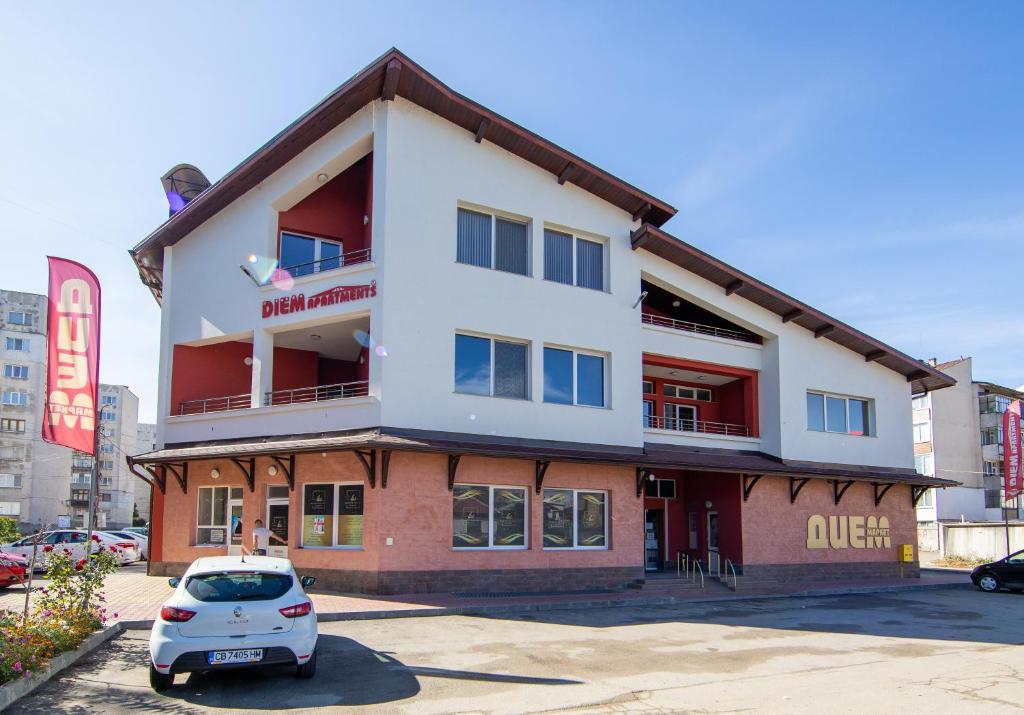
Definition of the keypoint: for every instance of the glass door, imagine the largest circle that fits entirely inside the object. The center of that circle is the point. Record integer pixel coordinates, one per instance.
(277, 520)
(680, 417)
(235, 516)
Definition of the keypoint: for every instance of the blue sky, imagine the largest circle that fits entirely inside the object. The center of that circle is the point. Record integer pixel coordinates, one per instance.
(868, 158)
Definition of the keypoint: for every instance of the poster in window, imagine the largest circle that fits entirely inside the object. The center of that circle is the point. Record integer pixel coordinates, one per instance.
(590, 512)
(318, 515)
(350, 515)
(277, 521)
(470, 522)
(558, 518)
(509, 517)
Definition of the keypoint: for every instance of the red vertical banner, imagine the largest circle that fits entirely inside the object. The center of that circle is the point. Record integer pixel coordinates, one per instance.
(72, 356)
(1012, 451)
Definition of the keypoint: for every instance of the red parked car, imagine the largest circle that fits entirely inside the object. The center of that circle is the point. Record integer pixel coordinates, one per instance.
(13, 568)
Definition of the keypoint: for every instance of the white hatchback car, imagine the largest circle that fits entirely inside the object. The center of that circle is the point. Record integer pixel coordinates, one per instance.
(231, 611)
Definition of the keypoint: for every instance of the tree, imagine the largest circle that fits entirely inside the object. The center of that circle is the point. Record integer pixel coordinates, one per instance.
(8, 530)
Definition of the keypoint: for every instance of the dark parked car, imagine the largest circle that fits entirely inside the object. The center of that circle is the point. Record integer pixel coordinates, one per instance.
(1004, 573)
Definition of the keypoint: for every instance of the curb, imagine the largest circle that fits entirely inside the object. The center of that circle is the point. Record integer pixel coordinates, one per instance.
(11, 692)
(520, 608)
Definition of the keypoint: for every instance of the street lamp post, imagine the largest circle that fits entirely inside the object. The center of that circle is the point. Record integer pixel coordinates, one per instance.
(90, 515)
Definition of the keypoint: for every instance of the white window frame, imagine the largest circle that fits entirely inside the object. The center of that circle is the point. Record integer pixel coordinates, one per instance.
(677, 389)
(7, 397)
(490, 519)
(16, 372)
(576, 237)
(227, 521)
(26, 317)
(927, 500)
(10, 508)
(676, 419)
(871, 430)
(928, 463)
(317, 251)
(494, 215)
(576, 522)
(14, 343)
(490, 388)
(925, 401)
(605, 387)
(922, 432)
(10, 481)
(334, 517)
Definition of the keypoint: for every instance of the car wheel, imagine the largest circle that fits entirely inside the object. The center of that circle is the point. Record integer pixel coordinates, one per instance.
(160, 681)
(989, 582)
(307, 669)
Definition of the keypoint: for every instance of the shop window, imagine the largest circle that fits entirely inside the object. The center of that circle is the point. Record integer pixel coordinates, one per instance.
(832, 413)
(575, 519)
(486, 517)
(493, 242)
(212, 516)
(572, 377)
(332, 516)
(485, 366)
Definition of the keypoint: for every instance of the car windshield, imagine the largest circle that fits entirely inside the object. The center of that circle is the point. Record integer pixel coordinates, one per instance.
(238, 586)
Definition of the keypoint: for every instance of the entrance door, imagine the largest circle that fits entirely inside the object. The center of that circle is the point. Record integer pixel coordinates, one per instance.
(235, 516)
(713, 531)
(277, 520)
(680, 417)
(652, 539)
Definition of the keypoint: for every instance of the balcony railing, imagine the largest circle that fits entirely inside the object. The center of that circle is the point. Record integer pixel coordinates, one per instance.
(319, 393)
(351, 258)
(215, 404)
(684, 425)
(699, 329)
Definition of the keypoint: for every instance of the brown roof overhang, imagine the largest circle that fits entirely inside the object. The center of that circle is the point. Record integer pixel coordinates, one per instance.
(391, 75)
(922, 376)
(651, 456)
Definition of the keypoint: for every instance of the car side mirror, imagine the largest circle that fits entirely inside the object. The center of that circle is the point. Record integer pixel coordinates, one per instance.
(307, 581)
(173, 582)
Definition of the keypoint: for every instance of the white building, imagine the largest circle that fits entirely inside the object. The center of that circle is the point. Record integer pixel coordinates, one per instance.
(459, 291)
(145, 442)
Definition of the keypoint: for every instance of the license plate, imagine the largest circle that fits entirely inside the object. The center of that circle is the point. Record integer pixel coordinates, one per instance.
(227, 657)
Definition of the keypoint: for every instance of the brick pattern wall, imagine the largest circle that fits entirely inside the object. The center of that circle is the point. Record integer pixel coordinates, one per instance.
(767, 576)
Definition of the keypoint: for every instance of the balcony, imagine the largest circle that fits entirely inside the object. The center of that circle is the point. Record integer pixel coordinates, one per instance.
(700, 426)
(215, 404)
(698, 328)
(318, 393)
(288, 272)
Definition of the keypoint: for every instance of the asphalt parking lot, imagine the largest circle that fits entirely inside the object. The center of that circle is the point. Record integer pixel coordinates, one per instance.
(949, 650)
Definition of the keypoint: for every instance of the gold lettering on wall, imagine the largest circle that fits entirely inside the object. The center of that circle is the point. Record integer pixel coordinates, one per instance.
(843, 532)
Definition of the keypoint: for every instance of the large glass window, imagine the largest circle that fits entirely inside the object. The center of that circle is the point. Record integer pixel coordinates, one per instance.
(493, 242)
(17, 372)
(925, 464)
(832, 413)
(19, 344)
(485, 366)
(212, 517)
(18, 317)
(303, 255)
(922, 432)
(332, 516)
(572, 260)
(574, 378)
(575, 519)
(486, 517)
(17, 398)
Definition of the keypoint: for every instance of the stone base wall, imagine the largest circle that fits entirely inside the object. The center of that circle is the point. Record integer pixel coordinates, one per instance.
(790, 575)
(486, 581)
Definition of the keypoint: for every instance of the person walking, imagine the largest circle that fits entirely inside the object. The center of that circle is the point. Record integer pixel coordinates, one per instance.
(261, 537)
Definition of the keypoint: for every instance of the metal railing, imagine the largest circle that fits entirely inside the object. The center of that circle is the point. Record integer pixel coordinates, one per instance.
(680, 424)
(363, 255)
(697, 568)
(215, 404)
(318, 393)
(698, 328)
(735, 581)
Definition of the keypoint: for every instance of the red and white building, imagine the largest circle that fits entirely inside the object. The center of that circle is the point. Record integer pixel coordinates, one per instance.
(484, 366)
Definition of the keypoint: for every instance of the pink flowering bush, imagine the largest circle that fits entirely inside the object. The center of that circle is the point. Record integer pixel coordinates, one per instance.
(64, 613)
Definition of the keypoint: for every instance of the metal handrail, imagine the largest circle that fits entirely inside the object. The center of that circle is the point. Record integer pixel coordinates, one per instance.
(698, 567)
(679, 424)
(698, 328)
(363, 255)
(729, 567)
(317, 393)
(215, 404)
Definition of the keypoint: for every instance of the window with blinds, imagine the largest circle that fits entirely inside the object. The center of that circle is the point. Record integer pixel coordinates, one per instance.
(572, 260)
(486, 366)
(493, 242)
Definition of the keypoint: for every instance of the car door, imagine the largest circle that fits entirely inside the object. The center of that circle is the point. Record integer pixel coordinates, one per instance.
(1013, 570)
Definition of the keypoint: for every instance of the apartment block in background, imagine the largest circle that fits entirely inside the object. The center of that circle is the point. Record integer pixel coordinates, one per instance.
(958, 435)
(145, 442)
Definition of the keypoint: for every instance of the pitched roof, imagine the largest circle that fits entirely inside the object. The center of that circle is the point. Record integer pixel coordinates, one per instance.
(922, 376)
(391, 75)
(651, 456)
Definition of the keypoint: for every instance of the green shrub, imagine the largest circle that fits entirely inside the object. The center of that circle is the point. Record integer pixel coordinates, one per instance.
(8, 530)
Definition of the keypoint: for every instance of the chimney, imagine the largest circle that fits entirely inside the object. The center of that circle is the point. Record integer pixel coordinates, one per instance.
(933, 361)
